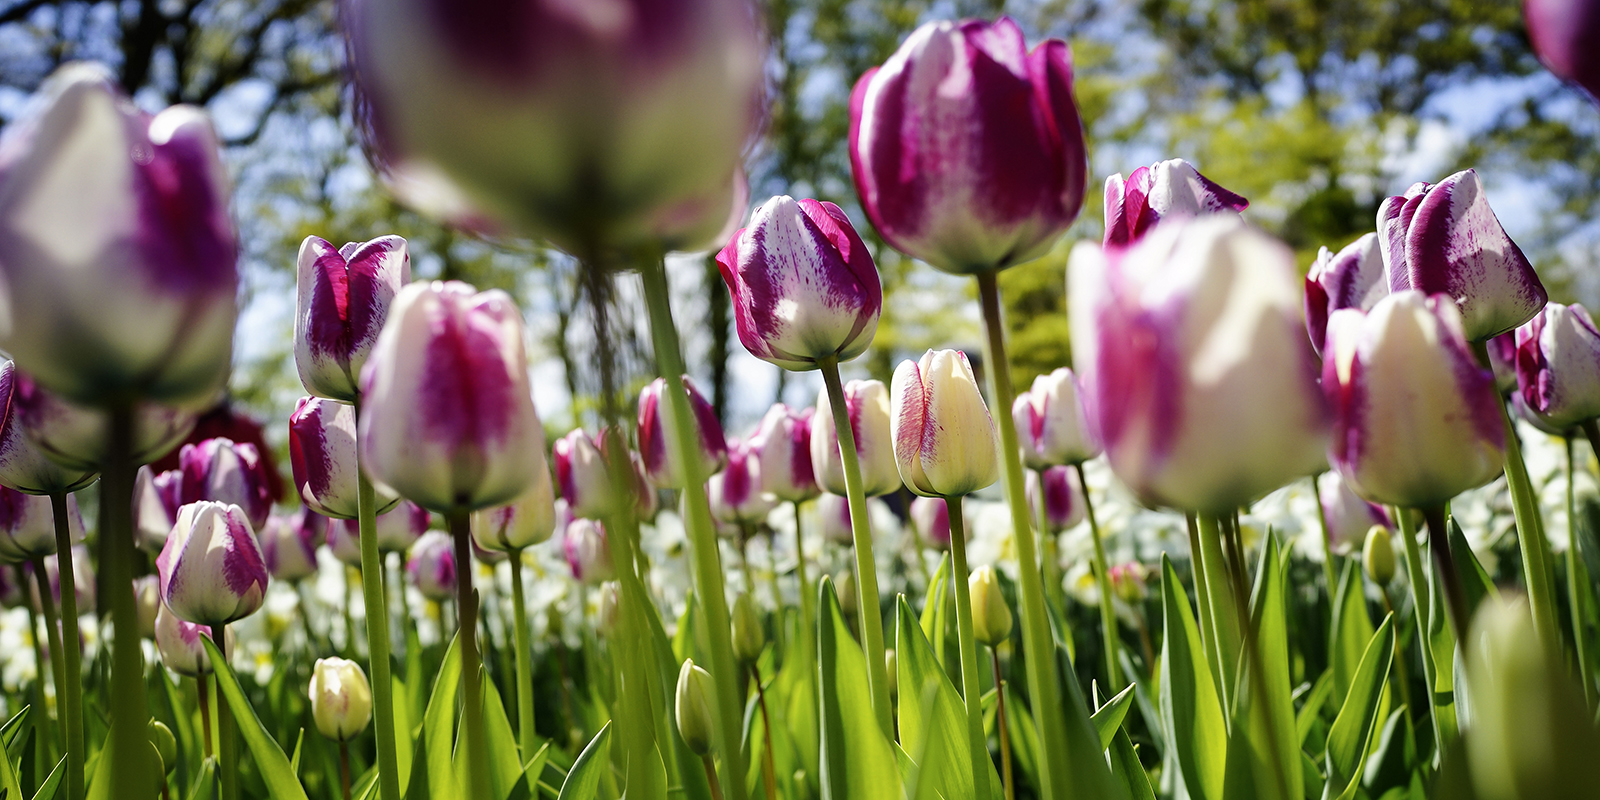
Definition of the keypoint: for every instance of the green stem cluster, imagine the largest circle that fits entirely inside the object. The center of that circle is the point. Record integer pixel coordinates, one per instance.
(227, 743)
(1421, 601)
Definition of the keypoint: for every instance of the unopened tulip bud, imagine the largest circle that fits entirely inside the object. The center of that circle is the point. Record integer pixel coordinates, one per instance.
(178, 642)
(322, 458)
(23, 466)
(1352, 279)
(1558, 366)
(735, 493)
(588, 552)
(433, 566)
(610, 608)
(343, 300)
(692, 707)
(165, 743)
(1165, 190)
(583, 476)
(1051, 426)
(225, 472)
(1377, 557)
(1063, 498)
(211, 570)
(341, 698)
(28, 527)
(931, 515)
(147, 602)
(289, 544)
(524, 523)
(867, 403)
(748, 636)
(783, 446)
(656, 422)
(945, 442)
(156, 500)
(991, 617)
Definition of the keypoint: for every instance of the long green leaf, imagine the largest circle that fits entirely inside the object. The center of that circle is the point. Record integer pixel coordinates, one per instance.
(205, 781)
(858, 762)
(282, 784)
(933, 608)
(1352, 630)
(1190, 709)
(52, 783)
(1125, 765)
(438, 729)
(1264, 758)
(1315, 699)
(403, 745)
(1352, 729)
(584, 778)
(941, 716)
(1109, 718)
(1475, 583)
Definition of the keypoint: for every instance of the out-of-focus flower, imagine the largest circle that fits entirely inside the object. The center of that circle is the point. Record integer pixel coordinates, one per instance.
(28, 525)
(1353, 278)
(804, 286)
(1377, 555)
(228, 473)
(868, 405)
(1558, 365)
(83, 583)
(322, 458)
(1416, 419)
(967, 149)
(991, 617)
(1063, 498)
(74, 436)
(1051, 426)
(117, 251)
(931, 515)
(1165, 189)
(1130, 582)
(343, 301)
(289, 544)
(211, 569)
(1444, 239)
(833, 512)
(656, 421)
(447, 419)
(749, 639)
(736, 492)
(227, 421)
(22, 465)
(156, 500)
(524, 523)
(1503, 360)
(582, 474)
(147, 600)
(844, 585)
(1194, 363)
(782, 444)
(178, 642)
(692, 707)
(432, 566)
(588, 552)
(1347, 515)
(344, 541)
(591, 125)
(13, 582)
(945, 442)
(398, 528)
(610, 608)
(1563, 34)
(341, 698)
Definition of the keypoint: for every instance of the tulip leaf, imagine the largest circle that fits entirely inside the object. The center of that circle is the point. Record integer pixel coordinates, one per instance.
(205, 781)
(1190, 709)
(1352, 729)
(1024, 735)
(402, 733)
(933, 609)
(1085, 758)
(52, 783)
(1475, 583)
(505, 766)
(941, 715)
(1126, 767)
(935, 750)
(1312, 709)
(1109, 718)
(1352, 629)
(858, 762)
(281, 781)
(1264, 759)
(584, 778)
(13, 726)
(438, 727)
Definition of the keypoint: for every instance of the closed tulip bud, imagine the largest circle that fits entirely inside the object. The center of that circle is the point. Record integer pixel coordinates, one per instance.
(289, 544)
(610, 611)
(804, 286)
(1352, 279)
(1165, 189)
(1562, 32)
(1051, 426)
(322, 458)
(867, 403)
(735, 492)
(1416, 419)
(165, 743)
(28, 525)
(157, 496)
(692, 707)
(74, 436)
(524, 523)
(1196, 369)
(1377, 556)
(211, 570)
(341, 698)
(447, 418)
(178, 642)
(1347, 515)
(783, 446)
(147, 601)
(587, 551)
(23, 466)
(1558, 366)
(432, 565)
(1503, 360)
(833, 514)
(656, 421)
(967, 149)
(227, 473)
(1063, 498)
(1129, 582)
(945, 443)
(116, 247)
(991, 617)
(343, 300)
(749, 639)
(931, 515)
(583, 475)
(1444, 239)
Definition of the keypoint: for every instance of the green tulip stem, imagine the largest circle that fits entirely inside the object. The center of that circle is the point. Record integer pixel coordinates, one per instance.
(376, 601)
(808, 631)
(41, 722)
(777, 595)
(227, 746)
(344, 768)
(202, 687)
(711, 777)
(769, 773)
(966, 638)
(1225, 623)
(1049, 552)
(1010, 785)
(1444, 562)
(870, 615)
(473, 739)
(1329, 574)
(1038, 644)
(1102, 569)
(1420, 602)
(525, 724)
(129, 741)
(71, 694)
(52, 632)
(1577, 582)
(702, 535)
(397, 582)
(1202, 593)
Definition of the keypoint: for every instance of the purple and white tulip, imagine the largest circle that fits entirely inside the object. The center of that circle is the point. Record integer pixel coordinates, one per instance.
(1347, 515)
(344, 542)
(289, 544)
(1051, 426)
(583, 475)
(432, 566)
(178, 642)
(1165, 189)
(661, 464)
(116, 246)
(967, 148)
(343, 300)
(1558, 366)
(23, 466)
(322, 459)
(945, 443)
(782, 444)
(28, 525)
(1196, 369)
(736, 493)
(74, 436)
(833, 515)
(156, 500)
(931, 515)
(527, 521)
(1416, 418)
(211, 570)
(1503, 360)
(1563, 34)
(1064, 503)
(804, 286)
(398, 528)
(587, 551)
(867, 403)
(1353, 278)
(1444, 239)
(447, 419)
(232, 474)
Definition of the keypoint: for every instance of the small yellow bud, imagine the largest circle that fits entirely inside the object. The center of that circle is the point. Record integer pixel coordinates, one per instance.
(165, 743)
(341, 698)
(991, 617)
(748, 637)
(693, 707)
(1377, 556)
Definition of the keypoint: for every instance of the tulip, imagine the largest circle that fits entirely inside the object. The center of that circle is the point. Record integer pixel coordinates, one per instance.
(804, 287)
(1444, 239)
(343, 300)
(735, 492)
(1503, 360)
(178, 642)
(522, 524)
(22, 465)
(783, 446)
(341, 698)
(156, 500)
(945, 443)
(749, 639)
(74, 436)
(966, 148)
(432, 566)
(1347, 515)
(322, 458)
(227, 473)
(1063, 498)
(1558, 366)
(398, 529)
(660, 463)
(83, 583)
(211, 570)
(1416, 419)
(28, 525)
(931, 515)
(447, 419)
(116, 247)
(344, 541)
(692, 707)
(1352, 279)
(833, 512)
(1129, 582)
(584, 478)
(289, 544)
(1563, 33)
(147, 595)
(573, 122)
(587, 551)
(868, 405)
(1377, 556)
(991, 617)
(166, 745)
(1051, 426)
(1165, 189)
(1195, 365)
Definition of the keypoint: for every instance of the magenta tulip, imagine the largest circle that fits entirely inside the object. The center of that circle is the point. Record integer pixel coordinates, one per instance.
(587, 551)
(23, 466)
(178, 643)
(1558, 366)
(344, 299)
(322, 458)
(1064, 503)
(1347, 515)
(398, 528)
(28, 527)
(867, 403)
(156, 500)
(660, 462)
(1165, 189)
(1563, 34)
(782, 444)
(232, 474)
(289, 544)
(1352, 279)
(584, 478)
(1050, 421)
(931, 515)
(211, 570)
(432, 566)
(736, 493)
(945, 443)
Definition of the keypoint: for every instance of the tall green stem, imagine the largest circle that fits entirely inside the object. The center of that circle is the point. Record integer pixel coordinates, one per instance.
(871, 617)
(227, 746)
(808, 632)
(378, 633)
(41, 721)
(473, 740)
(706, 559)
(1329, 574)
(1102, 568)
(1444, 563)
(971, 689)
(1577, 583)
(1202, 593)
(1049, 554)
(130, 716)
(52, 633)
(1420, 603)
(1225, 621)
(524, 639)
(72, 655)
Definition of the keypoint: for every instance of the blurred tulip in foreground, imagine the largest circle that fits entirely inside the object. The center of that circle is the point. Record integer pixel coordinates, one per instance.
(1347, 515)
(782, 444)
(23, 466)
(1558, 366)
(945, 443)
(1563, 33)
(1165, 189)
(343, 300)
(736, 492)
(1353, 278)
(432, 566)
(1051, 426)
(867, 403)
(660, 463)
(341, 698)
(74, 436)
(587, 551)
(1063, 498)
(322, 458)
(211, 569)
